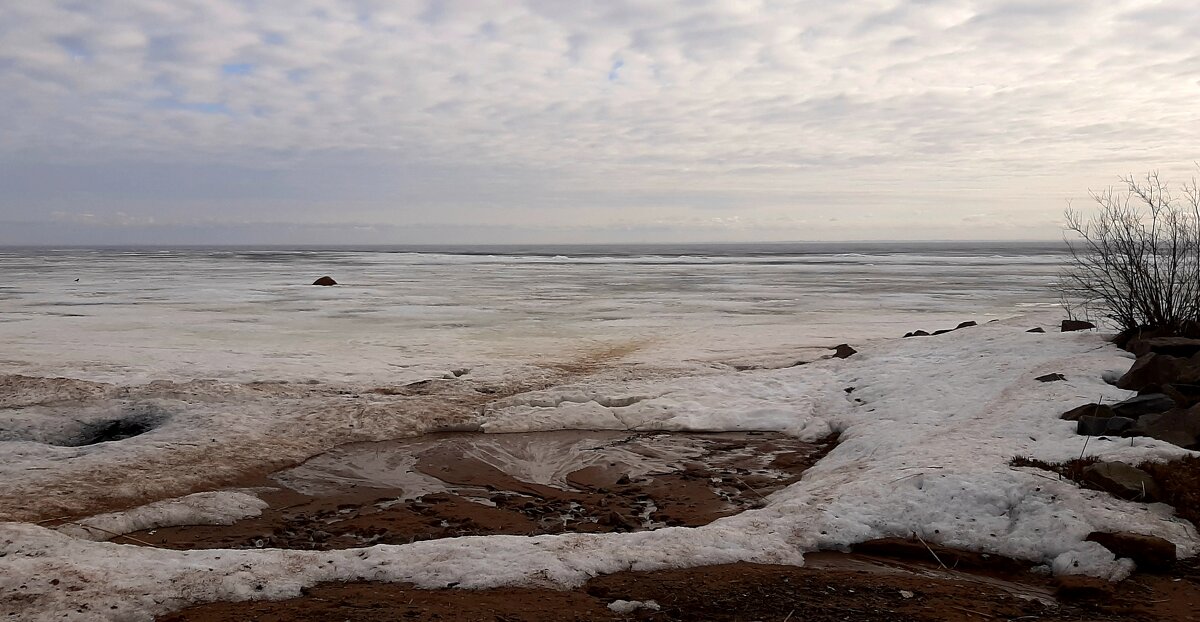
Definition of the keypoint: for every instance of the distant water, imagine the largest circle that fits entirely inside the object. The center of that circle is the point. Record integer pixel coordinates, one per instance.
(251, 313)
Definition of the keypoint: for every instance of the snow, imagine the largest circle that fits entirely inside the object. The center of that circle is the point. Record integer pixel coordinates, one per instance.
(223, 507)
(630, 606)
(926, 435)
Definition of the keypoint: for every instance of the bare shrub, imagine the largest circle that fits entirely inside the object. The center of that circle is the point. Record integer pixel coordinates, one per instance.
(1136, 261)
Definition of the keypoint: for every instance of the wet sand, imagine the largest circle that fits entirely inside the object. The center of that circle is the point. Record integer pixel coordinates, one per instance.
(831, 586)
(449, 485)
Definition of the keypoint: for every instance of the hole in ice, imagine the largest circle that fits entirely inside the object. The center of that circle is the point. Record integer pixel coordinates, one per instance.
(458, 484)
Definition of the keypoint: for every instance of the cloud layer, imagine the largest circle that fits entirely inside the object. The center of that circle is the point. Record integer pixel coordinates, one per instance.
(724, 120)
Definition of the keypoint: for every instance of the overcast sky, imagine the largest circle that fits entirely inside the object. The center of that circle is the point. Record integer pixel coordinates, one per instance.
(379, 121)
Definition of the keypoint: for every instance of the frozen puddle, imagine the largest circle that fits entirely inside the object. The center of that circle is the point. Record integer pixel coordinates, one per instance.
(448, 485)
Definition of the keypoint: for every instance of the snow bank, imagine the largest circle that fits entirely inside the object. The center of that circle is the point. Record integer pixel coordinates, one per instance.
(223, 507)
(927, 426)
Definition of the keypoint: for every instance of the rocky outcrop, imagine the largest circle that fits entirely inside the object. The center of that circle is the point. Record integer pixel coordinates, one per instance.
(1148, 552)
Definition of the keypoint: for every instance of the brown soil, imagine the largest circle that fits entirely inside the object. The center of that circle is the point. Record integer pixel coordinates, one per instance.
(831, 586)
(325, 505)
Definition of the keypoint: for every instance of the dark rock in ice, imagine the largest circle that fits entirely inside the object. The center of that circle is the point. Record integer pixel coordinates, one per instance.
(1122, 480)
(1178, 427)
(942, 331)
(325, 280)
(1036, 329)
(843, 350)
(1147, 404)
(1148, 552)
(1073, 325)
(1101, 411)
(917, 333)
(1051, 378)
(1103, 426)
(966, 324)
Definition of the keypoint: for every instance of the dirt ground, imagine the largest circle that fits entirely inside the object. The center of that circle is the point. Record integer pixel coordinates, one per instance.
(831, 586)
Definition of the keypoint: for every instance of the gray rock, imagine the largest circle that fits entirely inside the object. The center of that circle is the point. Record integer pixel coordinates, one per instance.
(1178, 427)
(1036, 329)
(1122, 480)
(1101, 411)
(1103, 426)
(1171, 346)
(1072, 325)
(1147, 404)
(1151, 371)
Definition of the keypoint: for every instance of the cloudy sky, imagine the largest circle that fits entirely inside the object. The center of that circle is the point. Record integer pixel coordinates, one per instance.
(382, 121)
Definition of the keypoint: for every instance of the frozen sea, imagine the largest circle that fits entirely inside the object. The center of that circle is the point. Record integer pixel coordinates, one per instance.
(132, 315)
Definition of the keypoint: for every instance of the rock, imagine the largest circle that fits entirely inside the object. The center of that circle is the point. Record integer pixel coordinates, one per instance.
(1094, 410)
(1148, 404)
(1073, 325)
(1123, 338)
(1077, 587)
(1151, 371)
(616, 519)
(1177, 426)
(1036, 329)
(966, 324)
(1050, 378)
(1103, 426)
(843, 350)
(917, 333)
(1184, 395)
(942, 331)
(1171, 346)
(1122, 480)
(325, 280)
(1148, 552)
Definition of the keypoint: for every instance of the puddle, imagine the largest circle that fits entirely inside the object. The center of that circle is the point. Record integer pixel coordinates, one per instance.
(460, 484)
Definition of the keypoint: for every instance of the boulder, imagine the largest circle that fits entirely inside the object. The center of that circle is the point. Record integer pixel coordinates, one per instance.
(1184, 395)
(1178, 426)
(1073, 325)
(1122, 339)
(1172, 346)
(1094, 410)
(1147, 404)
(1103, 426)
(325, 280)
(1148, 552)
(1036, 329)
(843, 350)
(1051, 378)
(1122, 480)
(1151, 372)
(966, 324)
(917, 333)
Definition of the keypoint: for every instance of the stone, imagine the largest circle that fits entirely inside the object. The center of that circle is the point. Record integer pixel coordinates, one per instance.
(1184, 395)
(966, 324)
(843, 350)
(1147, 404)
(1151, 371)
(1122, 480)
(1148, 552)
(1095, 410)
(1073, 325)
(942, 331)
(1036, 329)
(1123, 338)
(1177, 426)
(1171, 346)
(1051, 378)
(917, 333)
(1103, 426)
(325, 280)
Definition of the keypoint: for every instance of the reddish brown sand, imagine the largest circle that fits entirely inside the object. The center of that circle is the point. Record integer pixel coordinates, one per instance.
(831, 586)
(721, 474)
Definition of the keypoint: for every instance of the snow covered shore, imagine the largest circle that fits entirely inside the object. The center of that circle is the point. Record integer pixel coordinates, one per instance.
(927, 428)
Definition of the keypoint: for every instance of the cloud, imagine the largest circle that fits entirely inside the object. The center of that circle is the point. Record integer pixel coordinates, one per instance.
(542, 114)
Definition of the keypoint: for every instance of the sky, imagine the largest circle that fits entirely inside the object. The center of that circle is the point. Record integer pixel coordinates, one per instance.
(383, 121)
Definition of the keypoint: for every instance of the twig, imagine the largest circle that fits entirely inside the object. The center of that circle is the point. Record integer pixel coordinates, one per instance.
(927, 548)
(964, 609)
(789, 615)
(51, 520)
(748, 487)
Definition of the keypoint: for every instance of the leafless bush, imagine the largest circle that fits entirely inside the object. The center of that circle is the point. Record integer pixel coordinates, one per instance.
(1137, 260)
